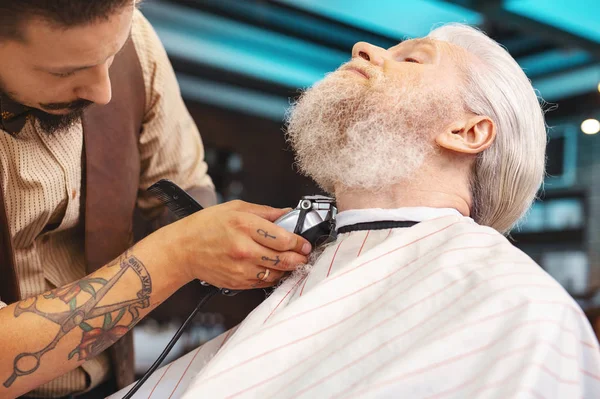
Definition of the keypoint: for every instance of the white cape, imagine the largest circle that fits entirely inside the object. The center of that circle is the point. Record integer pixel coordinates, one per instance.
(444, 309)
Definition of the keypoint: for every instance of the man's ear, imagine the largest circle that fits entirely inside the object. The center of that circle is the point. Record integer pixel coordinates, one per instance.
(470, 136)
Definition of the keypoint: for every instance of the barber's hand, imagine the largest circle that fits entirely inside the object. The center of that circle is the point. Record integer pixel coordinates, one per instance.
(234, 245)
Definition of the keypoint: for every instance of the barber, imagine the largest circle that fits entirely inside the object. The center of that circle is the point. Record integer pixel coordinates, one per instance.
(91, 116)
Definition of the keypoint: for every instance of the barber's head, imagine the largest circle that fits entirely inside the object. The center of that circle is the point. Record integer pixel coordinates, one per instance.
(453, 102)
(55, 55)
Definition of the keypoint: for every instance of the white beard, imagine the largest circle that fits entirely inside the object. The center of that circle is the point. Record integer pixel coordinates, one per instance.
(351, 132)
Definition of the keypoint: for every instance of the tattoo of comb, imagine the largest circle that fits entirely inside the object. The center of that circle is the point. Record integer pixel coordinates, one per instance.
(101, 326)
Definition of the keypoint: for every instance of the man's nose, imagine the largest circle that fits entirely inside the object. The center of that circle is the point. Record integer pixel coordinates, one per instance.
(98, 88)
(375, 55)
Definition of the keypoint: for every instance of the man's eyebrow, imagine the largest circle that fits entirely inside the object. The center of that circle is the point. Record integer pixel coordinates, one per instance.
(419, 42)
(425, 41)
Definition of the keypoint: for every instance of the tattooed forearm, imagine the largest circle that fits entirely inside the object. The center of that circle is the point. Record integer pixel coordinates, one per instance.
(265, 234)
(100, 325)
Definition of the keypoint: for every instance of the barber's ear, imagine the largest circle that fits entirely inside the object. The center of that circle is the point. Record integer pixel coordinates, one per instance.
(470, 136)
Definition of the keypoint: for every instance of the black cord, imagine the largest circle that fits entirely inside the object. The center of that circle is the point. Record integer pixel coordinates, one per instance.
(172, 342)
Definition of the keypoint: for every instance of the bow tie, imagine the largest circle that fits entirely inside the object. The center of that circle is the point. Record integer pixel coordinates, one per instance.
(13, 115)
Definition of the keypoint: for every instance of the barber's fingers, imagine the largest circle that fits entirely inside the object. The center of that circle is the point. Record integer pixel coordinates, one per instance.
(266, 277)
(261, 268)
(257, 223)
(277, 238)
(256, 277)
(255, 255)
(284, 261)
(263, 211)
(268, 234)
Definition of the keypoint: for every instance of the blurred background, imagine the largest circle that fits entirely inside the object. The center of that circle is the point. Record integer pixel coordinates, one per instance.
(241, 62)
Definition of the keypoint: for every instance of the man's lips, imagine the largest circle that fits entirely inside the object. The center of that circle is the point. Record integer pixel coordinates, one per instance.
(357, 71)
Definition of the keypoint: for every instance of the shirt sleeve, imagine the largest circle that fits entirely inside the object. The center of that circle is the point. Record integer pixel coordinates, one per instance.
(170, 144)
(2, 305)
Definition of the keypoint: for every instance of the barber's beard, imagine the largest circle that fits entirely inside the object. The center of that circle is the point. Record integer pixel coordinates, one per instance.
(55, 123)
(359, 134)
(50, 123)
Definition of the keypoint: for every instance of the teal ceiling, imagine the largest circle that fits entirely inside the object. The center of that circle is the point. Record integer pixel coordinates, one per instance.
(247, 48)
(209, 39)
(579, 17)
(553, 61)
(394, 18)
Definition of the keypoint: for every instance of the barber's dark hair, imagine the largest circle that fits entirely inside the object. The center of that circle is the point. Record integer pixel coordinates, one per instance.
(63, 13)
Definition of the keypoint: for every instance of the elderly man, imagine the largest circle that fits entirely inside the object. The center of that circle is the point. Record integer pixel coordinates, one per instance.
(90, 116)
(432, 148)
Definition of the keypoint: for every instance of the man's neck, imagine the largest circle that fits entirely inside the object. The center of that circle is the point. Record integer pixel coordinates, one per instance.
(415, 194)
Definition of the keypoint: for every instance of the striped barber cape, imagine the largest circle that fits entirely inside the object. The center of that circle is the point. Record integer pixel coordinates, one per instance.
(443, 309)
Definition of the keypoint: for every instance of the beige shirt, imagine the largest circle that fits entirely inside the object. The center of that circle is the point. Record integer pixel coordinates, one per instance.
(41, 178)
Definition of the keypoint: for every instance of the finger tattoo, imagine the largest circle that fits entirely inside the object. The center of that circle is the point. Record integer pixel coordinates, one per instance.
(275, 261)
(265, 234)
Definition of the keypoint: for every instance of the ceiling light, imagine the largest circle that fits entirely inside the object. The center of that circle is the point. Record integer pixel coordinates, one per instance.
(590, 126)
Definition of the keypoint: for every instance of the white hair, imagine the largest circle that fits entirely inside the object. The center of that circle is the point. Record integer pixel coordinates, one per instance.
(506, 176)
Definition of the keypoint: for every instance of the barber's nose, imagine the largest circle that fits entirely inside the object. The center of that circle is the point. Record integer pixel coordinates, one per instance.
(98, 88)
(375, 55)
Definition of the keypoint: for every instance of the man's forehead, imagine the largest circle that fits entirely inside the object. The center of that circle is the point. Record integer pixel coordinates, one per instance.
(79, 47)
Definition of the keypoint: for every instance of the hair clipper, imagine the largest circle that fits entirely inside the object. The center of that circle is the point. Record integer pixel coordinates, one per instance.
(313, 218)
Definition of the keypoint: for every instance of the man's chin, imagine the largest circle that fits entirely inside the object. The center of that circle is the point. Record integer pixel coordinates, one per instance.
(52, 123)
